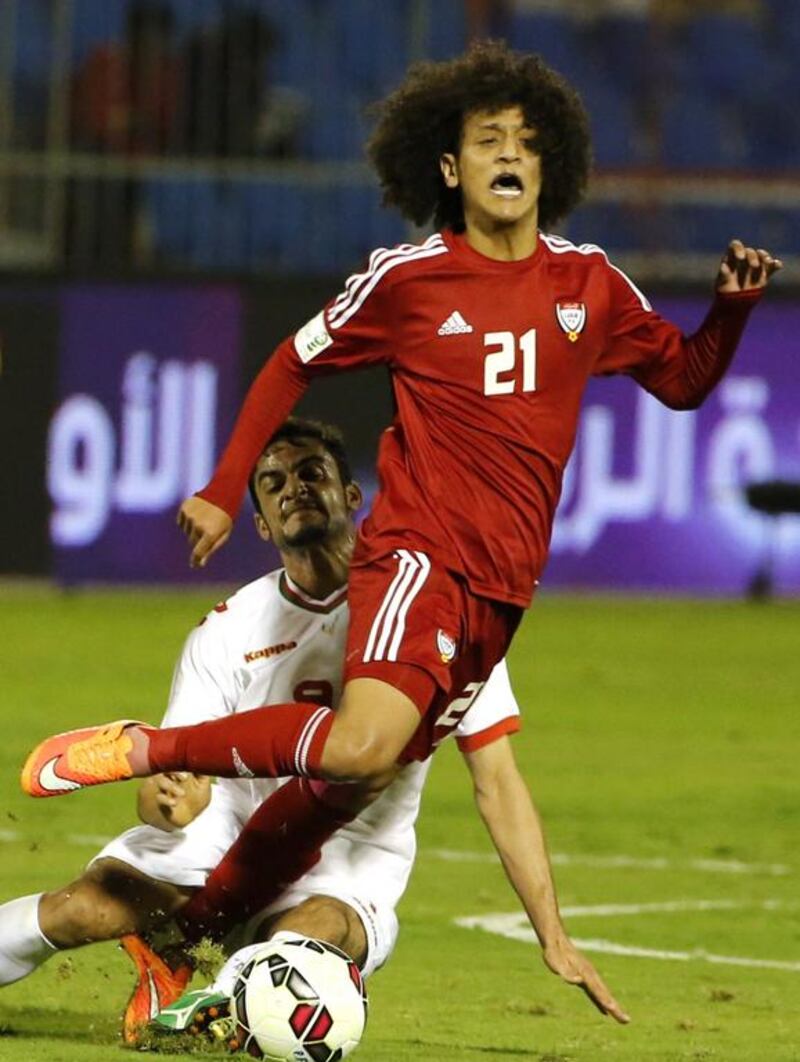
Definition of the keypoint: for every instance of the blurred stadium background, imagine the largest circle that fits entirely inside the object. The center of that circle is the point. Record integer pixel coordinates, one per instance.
(182, 183)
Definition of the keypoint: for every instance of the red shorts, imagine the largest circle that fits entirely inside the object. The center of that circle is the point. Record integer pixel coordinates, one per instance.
(418, 627)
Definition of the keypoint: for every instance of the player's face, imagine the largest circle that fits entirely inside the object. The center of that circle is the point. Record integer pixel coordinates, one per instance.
(497, 169)
(301, 496)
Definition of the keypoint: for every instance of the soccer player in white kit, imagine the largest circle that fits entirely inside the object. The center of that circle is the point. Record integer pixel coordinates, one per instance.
(282, 637)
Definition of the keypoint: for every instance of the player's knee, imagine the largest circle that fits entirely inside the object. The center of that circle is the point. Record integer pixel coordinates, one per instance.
(354, 758)
(82, 913)
(324, 918)
(372, 726)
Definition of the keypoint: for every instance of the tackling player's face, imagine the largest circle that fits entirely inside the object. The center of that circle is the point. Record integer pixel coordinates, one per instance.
(302, 498)
(497, 169)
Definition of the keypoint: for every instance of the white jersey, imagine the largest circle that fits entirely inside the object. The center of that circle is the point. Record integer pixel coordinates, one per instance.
(267, 644)
(270, 643)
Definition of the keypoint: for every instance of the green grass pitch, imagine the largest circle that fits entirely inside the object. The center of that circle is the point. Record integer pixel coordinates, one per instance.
(661, 741)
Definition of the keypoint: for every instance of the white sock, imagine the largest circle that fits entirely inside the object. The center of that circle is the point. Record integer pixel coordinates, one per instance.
(226, 978)
(23, 946)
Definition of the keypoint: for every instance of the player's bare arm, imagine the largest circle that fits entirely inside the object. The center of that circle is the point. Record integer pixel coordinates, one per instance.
(745, 268)
(171, 801)
(506, 808)
(206, 526)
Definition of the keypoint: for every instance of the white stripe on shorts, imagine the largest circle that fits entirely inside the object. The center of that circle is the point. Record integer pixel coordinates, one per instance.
(389, 625)
(387, 600)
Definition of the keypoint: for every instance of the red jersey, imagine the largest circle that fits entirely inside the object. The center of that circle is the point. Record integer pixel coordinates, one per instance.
(488, 360)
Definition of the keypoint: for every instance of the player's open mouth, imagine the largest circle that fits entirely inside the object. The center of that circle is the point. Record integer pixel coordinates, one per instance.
(507, 185)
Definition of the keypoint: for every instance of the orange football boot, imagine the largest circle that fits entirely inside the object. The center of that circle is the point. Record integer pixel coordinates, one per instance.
(157, 986)
(78, 758)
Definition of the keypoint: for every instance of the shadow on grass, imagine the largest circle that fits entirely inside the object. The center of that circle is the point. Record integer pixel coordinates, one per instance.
(479, 1049)
(40, 1023)
(28, 1026)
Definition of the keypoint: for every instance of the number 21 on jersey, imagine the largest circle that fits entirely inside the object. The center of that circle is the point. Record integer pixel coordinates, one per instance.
(501, 366)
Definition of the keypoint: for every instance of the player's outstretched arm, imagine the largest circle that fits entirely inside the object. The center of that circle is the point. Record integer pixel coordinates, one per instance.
(207, 517)
(745, 268)
(508, 811)
(206, 526)
(171, 801)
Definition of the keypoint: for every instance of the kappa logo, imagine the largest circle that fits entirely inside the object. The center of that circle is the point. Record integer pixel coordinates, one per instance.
(571, 317)
(446, 646)
(269, 650)
(240, 766)
(455, 325)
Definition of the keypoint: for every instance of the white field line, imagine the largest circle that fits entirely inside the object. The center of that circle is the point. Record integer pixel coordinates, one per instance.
(450, 855)
(608, 947)
(712, 866)
(515, 927)
(80, 840)
(610, 910)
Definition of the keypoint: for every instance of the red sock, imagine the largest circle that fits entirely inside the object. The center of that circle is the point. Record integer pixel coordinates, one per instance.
(280, 842)
(271, 742)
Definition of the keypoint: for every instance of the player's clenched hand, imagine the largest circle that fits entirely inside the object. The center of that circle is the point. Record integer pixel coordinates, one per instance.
(745, 268)
(564, 959)
(206, 526)
(180, 796)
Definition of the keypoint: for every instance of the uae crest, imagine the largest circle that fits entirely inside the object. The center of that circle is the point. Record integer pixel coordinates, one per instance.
(446, 646)
(571, 317)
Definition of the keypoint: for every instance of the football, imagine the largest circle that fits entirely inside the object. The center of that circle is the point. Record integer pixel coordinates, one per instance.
(299, 1000)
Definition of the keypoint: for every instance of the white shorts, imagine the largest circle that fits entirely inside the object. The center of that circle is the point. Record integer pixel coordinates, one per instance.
(186, 857)
(183, 857)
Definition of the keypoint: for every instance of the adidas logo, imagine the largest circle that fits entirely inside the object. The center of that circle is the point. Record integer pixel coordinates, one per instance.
(455, 325)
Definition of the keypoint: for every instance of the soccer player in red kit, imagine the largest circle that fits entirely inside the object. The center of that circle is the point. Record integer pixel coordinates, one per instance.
(490, 330)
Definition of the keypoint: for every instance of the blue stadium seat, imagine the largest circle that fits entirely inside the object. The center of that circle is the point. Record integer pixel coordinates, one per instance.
(777, 229)
(362, 224)
(231, 228)
(613, 226)
(706, 228)
(606, 70)
(263, 248)
(191, 15)
(724, 53)
(267, 226)
(772, 125)
(93, 23)
(783, 25)
(185, 215)
(613, 127)
(371, 48)
(301, 42)
(447, 30)
(622, 47)
(782, 231)
(282, 233)
(33, 51)
(336, 129)
(554, 37)
(167, 207)
(205, 215)
(701, 132)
